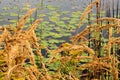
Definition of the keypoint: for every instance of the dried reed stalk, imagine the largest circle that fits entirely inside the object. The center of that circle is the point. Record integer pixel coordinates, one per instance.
(107, 63)
(86, 11)
(19, 47)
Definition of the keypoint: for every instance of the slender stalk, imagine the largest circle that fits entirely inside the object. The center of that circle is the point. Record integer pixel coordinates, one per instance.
(35, 17)
(109, 34)
(97, 33)
(117, 11)
(113, 8)
(89, 23)
(41, 4)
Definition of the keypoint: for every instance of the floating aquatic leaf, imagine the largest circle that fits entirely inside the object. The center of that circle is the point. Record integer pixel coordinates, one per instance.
(61, 23)
(52, 46)
(70, 26)
(51, 13)
(25, 8)
(45, 22)
(54, 18)
(50, 7)
(27, 5)
(13, 14)
(42, 15)
(43, 42)
(30, 19)
(65, 18)
(56, 14)
(72, 21)
(58, 29)
(57, 35)
(65, 12)
(52, 41)
(48, 29)
(77, 16)
(51, 25)
(3, 14)
(46, 34)
(12, 21)
(5, 8)
(77, 12)
(67, 34)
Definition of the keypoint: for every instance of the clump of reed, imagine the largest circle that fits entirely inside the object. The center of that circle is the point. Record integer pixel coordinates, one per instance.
(16, 54)
(95, 49)
(93, 54)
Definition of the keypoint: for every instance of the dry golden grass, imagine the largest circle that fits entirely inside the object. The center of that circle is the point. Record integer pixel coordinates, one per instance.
(108, 61)
(18, 44)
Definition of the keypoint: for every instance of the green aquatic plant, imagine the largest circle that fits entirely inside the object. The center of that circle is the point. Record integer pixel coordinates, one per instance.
(56, 26)
(57, 23)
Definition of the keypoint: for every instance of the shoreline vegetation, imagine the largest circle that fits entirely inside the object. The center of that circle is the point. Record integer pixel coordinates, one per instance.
(92, 54)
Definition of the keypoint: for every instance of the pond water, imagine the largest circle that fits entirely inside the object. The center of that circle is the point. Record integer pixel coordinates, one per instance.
(60, 16)
(8, 6)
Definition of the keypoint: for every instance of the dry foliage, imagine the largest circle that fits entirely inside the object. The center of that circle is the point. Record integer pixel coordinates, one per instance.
(97, 57)
(102, 62)
(17, 47)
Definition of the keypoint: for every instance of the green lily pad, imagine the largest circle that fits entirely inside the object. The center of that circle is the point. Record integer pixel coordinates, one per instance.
(13, 21)
(65, 18)
(30, 19)
(50, 7)
(52, 41)
(3, 14)
(42, 15)
(13, 14)
(57, 35)
(61, 23)
(43, 42)
(5, 8)
(67, 34)
(52, 46)
(45, 22)
(71, 27)
(72, 22)
(51, 25)
(54, 18)
(25, 8)
(65, 12)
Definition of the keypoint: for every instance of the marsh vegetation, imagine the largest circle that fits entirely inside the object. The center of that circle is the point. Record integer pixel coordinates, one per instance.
(35, 46)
